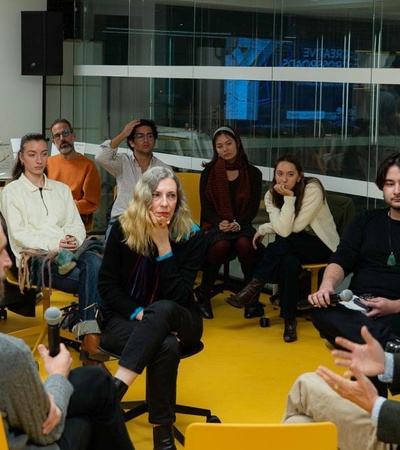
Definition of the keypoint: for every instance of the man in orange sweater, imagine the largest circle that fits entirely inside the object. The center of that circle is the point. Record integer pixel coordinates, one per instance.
(75, 170)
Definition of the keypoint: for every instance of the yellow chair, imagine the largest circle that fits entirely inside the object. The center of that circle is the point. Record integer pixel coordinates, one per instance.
(301, 436)
(3, 439)
(41, 329)
(190, 182)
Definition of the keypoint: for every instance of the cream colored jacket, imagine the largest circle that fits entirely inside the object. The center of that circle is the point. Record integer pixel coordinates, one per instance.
(314, 213)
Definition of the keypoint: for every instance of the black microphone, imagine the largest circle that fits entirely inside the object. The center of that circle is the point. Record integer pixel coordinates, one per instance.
(53, 316)
(345, 296)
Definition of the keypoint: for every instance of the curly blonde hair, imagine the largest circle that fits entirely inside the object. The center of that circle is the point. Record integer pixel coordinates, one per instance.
(136, 222)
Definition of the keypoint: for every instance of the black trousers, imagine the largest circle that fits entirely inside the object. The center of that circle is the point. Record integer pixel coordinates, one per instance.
(341, 321)
(94, 418)
(281, 263)
(151, 344)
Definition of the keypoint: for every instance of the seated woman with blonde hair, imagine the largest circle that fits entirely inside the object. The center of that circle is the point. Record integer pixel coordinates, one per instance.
(146, 280)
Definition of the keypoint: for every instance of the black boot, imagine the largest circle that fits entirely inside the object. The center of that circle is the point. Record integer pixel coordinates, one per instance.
(121, 387)
(247, 295)
(204, 302)
(290, 333)
(255, 309)
(163, 437)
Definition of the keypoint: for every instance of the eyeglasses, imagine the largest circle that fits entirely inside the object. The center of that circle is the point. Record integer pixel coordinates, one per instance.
(142, 136)
(63, 134)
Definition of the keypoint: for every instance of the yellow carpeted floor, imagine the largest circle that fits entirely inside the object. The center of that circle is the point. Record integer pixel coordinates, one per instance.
(243, 374)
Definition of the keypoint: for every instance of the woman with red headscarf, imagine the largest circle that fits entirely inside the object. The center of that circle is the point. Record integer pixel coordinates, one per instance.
(230, 192)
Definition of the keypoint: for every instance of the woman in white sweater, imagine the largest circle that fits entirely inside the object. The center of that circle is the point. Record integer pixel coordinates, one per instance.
(305, 234)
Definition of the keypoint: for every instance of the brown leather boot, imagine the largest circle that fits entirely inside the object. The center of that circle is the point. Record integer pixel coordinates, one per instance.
(90, 348)
(247, 295)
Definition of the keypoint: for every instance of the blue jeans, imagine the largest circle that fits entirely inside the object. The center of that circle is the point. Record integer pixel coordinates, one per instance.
(109, 226)
(82, 280)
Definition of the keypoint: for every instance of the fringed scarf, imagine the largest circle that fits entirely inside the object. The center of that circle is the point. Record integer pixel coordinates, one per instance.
(217, 189)
(32, 265)
(143, 281)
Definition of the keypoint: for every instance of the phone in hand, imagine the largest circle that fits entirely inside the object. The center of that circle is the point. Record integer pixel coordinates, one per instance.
(359, 303)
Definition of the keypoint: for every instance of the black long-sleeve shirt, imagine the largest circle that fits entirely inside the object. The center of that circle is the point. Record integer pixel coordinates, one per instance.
(364, 250)
(176, 274)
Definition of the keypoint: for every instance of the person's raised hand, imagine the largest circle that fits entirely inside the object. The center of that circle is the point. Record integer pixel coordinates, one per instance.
(129, 127)
(282, 190)
(369, 357)
(360, 391)
(160, 233)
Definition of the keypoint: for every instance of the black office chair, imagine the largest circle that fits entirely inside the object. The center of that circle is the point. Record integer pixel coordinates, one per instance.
(136, 408)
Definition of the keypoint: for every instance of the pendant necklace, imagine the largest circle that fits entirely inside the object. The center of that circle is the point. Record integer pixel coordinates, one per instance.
(391, 261)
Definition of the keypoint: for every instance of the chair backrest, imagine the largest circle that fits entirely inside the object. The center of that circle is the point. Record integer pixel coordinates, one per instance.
(190, 182)
(3, 438)
(299, 436)
(342, 209)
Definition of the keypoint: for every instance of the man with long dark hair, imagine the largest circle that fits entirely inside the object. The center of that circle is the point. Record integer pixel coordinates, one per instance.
(370, 249)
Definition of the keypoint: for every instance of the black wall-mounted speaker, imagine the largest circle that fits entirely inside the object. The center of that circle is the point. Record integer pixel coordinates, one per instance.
(41, 43)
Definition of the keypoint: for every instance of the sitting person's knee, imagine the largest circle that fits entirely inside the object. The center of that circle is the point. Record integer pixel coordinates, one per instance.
(161, 307)
(171, 346)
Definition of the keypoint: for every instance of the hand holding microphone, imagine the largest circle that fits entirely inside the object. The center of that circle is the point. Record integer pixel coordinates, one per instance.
(53, 316)
(345, 296)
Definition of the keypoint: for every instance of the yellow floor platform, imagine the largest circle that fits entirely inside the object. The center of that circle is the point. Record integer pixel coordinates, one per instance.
(243, 374)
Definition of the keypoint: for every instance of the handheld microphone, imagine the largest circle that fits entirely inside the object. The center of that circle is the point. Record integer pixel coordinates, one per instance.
(53, 316)
(345, 296)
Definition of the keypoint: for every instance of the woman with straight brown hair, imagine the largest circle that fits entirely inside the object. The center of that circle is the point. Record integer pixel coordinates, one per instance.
(305, 233)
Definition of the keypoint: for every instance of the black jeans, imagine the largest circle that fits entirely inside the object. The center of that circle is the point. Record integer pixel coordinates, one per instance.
(281, 263)
(150, 343)
(94, 417)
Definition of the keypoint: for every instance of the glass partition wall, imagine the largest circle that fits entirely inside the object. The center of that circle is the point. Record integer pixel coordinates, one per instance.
(319, 78)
